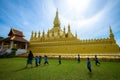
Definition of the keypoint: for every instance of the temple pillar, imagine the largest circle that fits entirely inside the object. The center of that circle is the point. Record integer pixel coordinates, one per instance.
(2, 45)
(26, 46)
(11, 44)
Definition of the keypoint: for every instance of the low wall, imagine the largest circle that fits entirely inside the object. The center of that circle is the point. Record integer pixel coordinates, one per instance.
(99, 48)
(102, 57)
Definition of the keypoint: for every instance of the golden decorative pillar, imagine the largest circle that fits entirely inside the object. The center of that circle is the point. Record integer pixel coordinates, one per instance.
(32, 35)
(35, 36)
(112, 36)
(69, 32)
(43, 36)
(69, 28)
(64, 32)
(76, 34)
(39, 35)
(52, 33)
(48, 33)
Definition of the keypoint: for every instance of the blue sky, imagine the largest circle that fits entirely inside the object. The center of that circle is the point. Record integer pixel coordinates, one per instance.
(89, 18)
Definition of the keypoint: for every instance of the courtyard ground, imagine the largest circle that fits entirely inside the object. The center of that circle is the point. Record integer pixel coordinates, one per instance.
(14, 69)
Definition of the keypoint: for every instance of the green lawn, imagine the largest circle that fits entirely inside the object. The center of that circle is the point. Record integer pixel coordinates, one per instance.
(13, 69)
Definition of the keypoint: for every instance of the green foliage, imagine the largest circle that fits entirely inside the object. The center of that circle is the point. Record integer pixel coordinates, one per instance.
(14, 49)
(13, 69)
(1, 37)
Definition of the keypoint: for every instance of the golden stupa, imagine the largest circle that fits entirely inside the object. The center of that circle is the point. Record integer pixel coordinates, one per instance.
(57, 41)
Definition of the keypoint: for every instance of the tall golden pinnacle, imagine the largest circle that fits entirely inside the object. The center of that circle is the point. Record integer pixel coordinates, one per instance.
(56, 20)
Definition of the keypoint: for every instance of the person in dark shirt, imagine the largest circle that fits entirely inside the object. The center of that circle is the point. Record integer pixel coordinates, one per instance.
(30, 58)
(89, 65)
(40, 59)
(78, 58)
(96, 60)
(46, 60)
(59, 59)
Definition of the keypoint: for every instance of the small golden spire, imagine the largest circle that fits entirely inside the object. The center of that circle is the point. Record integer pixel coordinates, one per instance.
(76, 34)
(64, 30)
(39, 34)
(35, 35)
(43, 34)
(69, 28)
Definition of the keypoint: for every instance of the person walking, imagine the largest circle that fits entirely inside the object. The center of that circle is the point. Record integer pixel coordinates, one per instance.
(46, 60)
(40, 59)
(36, 60)
(59, 59)
(30, 58)
(78, 58)
(89, 65)
(96, 60)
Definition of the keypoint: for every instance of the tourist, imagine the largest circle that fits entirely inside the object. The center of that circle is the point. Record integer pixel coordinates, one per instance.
(89, 65)
(96, 60)
(36, 60)
(78, 58)
(30, 58)
(40, 59)
(59, 59)
(46, 60)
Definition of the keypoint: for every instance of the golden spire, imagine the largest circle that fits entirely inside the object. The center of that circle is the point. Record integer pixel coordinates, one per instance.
(64, 30)
(69, 28)
(111, 33)
(39, 34)
(43, 34)
(32, 35)
(111, 30)
(48, 33)
(35, 35)
(56, 20)
(52, 33)
(76, 34)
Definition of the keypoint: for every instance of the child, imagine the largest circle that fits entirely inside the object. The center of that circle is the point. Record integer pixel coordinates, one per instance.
(36, 60)
(96, 60)
(78, 58)
(46, 60)
(59, 59)
(89, 65)
(40, 59)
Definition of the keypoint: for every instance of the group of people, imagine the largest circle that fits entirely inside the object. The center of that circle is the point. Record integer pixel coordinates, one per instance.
(38, 60)
(89, 63)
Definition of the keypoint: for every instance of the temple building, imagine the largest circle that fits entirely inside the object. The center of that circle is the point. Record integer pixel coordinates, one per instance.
(14, 40)
(57, 40)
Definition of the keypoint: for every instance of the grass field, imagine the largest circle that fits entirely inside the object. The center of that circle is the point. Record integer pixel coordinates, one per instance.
(14, 69)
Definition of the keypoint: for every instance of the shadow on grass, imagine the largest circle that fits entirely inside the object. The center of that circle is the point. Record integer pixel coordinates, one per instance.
(24, 68)
(90, 74)
(21, 69)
